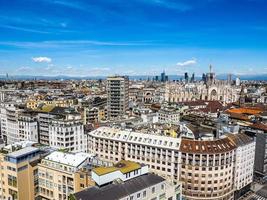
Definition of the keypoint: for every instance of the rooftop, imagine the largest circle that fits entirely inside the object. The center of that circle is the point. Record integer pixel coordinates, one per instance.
(240, 139)
(21, 144)
(213, 146)
(22, 152)
(246, 110)
(118, 191)
(260, 126)
(136, 137)
(71, 159)
(123, 166)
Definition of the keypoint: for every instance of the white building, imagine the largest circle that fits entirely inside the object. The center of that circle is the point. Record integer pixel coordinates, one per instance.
(160, 153)
(169, 114)
(68, 134)
(44, 119)
(3, 123)
(18, 124)
(128, 181)
(28, 128)
(11, 125)
(123, 170)
(244, 162)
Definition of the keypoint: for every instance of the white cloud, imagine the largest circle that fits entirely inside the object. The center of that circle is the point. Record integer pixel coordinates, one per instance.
(187, 63)
(42, 59)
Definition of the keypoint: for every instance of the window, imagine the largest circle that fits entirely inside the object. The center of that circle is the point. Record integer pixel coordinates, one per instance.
(13, 194)
(138, 195)
(144, 194)
(12, 181)
(153, 190)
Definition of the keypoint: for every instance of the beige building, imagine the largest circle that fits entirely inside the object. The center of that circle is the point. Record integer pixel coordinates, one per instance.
(159, 153)
(207, 169)
(61, 174)
(18, 170)
(60, 102)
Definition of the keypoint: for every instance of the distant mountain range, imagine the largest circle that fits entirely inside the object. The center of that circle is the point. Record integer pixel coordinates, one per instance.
(258, 77)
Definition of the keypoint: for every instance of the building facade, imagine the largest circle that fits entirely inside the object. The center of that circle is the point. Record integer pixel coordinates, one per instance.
(209, 90)
(128, 180)
(67, 134)
(210, 168)
(60, 174)
(19, 173)
(118, 96)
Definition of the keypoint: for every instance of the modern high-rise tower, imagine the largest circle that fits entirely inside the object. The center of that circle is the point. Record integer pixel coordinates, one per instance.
(118, 96)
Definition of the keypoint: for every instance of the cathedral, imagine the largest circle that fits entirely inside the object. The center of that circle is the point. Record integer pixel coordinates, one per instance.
(209, 89)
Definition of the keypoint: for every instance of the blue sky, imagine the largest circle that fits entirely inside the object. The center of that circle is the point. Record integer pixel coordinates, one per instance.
(104, 37)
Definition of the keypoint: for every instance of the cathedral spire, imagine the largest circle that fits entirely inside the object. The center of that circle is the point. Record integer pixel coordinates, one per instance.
(210, 68)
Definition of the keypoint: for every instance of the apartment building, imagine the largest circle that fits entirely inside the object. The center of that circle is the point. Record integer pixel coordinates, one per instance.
(169, 114)
(68, 133)
(118, 96)
(3, 123)
(207, 169)
(94, 114)
(18, 169)
(60, 102)
(28, 127)
(128, 180)
(44, 118)
(18, 124)
(11, 124)
(60, 174)
(259, 130)
(244, 162)
(210, 168)
(160, 153)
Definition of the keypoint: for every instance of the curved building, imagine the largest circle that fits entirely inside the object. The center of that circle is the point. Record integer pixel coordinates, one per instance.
(207, 169)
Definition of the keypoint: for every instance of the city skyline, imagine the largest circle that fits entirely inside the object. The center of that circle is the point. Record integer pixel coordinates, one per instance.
(95, 38)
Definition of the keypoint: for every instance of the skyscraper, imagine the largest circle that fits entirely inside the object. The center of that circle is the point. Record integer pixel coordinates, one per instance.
(204, 77)
(186, 77)
(118, 96)
(192, 78)
(163, 76)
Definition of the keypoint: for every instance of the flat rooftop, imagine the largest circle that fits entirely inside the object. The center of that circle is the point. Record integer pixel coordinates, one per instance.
(22, 152)
(71, 159)
(123, 166)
